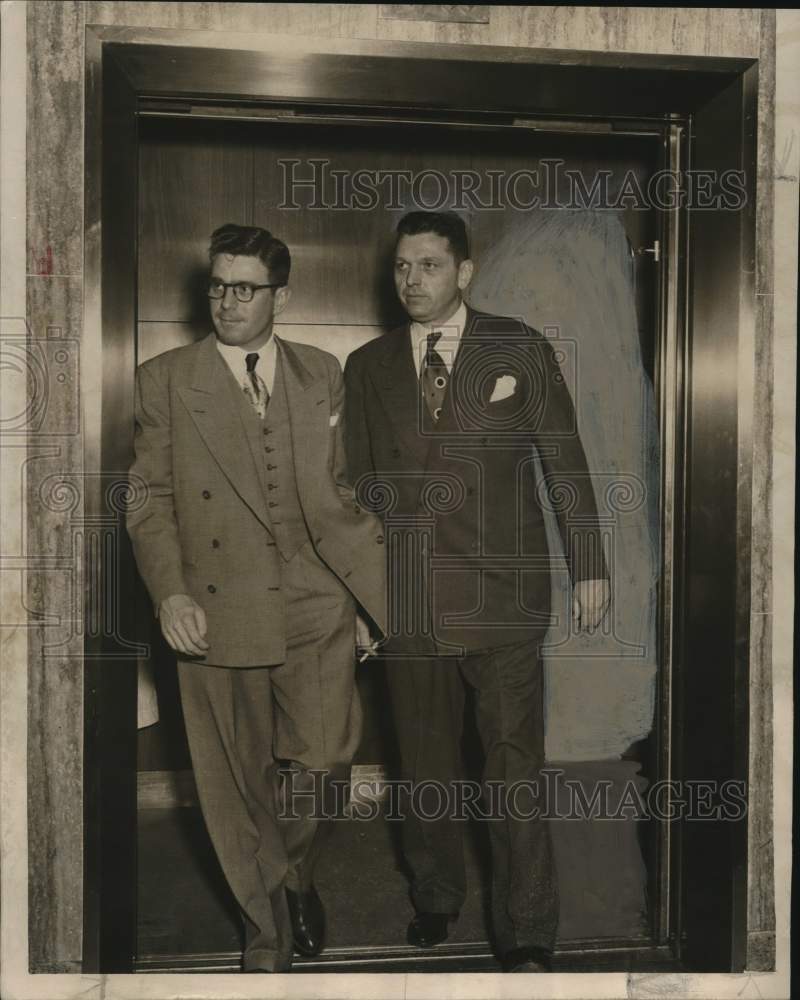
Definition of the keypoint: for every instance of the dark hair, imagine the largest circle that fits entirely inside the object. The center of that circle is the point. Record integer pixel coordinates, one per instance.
(446, 224)
(252, 241)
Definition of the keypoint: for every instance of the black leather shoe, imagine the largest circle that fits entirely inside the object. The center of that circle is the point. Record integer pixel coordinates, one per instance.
(308, 921)
(428, 929)
(527, 960)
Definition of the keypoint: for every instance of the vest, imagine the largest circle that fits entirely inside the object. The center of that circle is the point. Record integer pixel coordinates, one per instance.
(270, 442)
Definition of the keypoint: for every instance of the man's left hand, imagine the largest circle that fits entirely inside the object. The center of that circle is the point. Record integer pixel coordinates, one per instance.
(590, 602)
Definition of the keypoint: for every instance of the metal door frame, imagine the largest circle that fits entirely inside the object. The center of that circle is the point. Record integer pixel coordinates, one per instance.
(708, 324)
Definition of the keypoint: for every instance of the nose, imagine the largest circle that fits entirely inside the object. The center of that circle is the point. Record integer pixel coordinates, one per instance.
(228, 299)
(412, 275)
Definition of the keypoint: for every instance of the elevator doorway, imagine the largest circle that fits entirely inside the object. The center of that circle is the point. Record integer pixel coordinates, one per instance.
(560, 237)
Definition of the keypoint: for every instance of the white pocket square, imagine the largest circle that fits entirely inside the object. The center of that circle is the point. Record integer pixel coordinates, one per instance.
(334, 419)
(503, 388)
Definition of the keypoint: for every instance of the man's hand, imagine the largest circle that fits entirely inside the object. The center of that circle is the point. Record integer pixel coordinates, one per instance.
(183, 623)
(365, 645)
(590, 602)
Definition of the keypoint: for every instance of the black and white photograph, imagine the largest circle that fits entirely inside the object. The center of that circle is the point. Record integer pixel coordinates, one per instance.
(397, 449)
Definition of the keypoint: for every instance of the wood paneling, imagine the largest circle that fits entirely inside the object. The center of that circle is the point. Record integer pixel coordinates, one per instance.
(188, 187)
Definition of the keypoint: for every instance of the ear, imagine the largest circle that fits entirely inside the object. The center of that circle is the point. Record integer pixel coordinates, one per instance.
(282, 296)
(465, 269)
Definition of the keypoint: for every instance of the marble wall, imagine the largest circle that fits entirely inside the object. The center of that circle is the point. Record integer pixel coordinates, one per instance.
(55, 90)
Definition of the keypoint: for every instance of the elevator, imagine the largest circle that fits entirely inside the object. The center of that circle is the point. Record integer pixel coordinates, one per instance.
(564, 235)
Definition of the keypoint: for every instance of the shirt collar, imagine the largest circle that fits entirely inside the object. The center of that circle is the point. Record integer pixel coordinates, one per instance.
(235, 356)
(452, 330)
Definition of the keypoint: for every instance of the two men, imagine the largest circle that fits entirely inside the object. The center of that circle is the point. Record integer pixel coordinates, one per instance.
(255, 556)
(441, 418)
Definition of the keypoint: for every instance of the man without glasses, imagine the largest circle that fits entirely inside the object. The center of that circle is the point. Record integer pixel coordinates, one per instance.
(255, 556)
(445, 411)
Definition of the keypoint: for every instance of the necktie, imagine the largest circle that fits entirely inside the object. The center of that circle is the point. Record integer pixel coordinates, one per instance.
(434, 376)
(257, 391)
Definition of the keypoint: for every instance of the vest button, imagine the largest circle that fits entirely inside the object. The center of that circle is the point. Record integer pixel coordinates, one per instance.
(271, 486)
(272, 503)
(211, 588)
(270, 467)
(379, 539)
(267, 449)
(266, 430)
(215, 543)
(206, 495)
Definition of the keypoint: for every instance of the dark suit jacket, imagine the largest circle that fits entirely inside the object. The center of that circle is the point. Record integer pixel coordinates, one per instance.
(472, 474)
(200, 524)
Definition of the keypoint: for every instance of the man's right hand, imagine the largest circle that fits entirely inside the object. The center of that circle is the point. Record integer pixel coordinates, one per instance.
(183, 623)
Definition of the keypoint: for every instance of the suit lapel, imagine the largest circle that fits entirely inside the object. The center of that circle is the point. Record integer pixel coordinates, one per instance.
(463, 374)
(309, 422)
(212, 406)
(395, 379)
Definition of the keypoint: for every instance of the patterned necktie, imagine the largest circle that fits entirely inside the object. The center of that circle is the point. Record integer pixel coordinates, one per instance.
(257, 391)
(434, 376)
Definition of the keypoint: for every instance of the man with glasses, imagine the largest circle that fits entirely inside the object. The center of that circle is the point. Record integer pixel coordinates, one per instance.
(256, 556)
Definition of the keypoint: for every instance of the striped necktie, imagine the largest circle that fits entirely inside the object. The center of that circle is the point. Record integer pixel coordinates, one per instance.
(257, 391)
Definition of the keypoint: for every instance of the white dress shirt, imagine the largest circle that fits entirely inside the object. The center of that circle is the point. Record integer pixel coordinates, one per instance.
(446, 346)
(265, 366)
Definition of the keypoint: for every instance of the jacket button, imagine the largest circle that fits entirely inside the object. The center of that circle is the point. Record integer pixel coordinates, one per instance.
(357, 510)
(271, 467)
(272, 486)
(206, 495)
(272, 503)
(267, 449)
(215, 543)
(211, 588)
(266, 430)
(379, 539)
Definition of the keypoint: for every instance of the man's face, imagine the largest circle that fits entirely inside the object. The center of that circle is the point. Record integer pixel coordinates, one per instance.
(428, 280)
(245, 324)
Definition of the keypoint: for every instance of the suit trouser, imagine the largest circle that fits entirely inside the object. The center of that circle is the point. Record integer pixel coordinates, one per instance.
(428, 704)
(242, 723)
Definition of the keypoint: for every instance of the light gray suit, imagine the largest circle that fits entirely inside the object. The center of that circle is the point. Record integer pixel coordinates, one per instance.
(257, 523)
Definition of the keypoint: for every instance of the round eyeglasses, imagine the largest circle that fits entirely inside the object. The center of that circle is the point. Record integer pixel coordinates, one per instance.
(243, 290)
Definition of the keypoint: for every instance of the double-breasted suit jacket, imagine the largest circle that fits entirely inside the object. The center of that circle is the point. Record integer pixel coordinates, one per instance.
(473, 473)
(202, 526)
